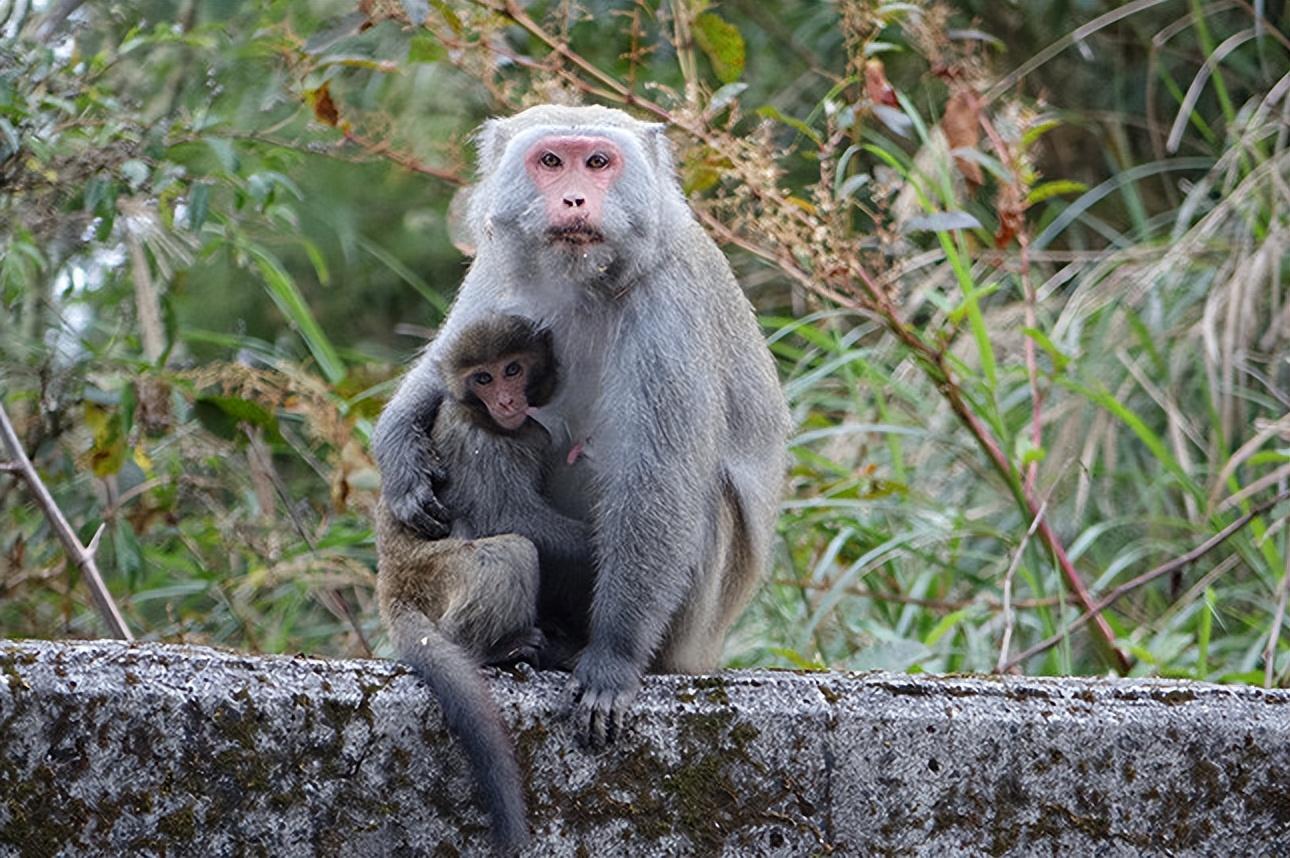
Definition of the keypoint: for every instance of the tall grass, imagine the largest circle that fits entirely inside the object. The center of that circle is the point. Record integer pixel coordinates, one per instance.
(1163, 413)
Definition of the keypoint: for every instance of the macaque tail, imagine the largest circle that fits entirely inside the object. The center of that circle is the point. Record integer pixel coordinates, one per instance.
(472, 717)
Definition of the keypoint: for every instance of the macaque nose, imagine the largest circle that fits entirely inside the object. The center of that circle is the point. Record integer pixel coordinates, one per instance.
(575, 201)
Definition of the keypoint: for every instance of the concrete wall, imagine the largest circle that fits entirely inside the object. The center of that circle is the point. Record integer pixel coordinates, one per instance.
(150, 749)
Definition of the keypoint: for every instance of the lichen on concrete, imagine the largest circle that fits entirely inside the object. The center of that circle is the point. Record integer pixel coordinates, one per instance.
(107, 748)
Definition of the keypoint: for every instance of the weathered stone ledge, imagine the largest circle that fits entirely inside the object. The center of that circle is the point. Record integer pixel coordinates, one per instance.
(167, 750)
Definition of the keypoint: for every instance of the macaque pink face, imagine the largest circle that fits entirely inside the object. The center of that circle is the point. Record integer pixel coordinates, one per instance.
(502, 385)
(573, 174)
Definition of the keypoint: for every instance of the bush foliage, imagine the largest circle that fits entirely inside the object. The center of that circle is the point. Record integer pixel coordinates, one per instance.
(1025, 274)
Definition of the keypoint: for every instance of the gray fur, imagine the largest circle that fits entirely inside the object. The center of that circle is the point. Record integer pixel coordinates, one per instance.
(452, 604)
(667, 380)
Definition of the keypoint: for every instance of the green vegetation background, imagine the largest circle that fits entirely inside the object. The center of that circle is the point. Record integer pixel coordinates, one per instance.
(1023, 264)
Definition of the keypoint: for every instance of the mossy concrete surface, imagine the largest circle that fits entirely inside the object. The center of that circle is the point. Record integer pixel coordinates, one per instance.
(149, 749)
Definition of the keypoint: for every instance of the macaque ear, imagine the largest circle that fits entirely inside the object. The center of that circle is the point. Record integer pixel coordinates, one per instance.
(659, 148)
(490, 143)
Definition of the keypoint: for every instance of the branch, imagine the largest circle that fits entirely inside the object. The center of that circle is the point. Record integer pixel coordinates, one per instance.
(84, 557)
(1147, 577)
(382, 149)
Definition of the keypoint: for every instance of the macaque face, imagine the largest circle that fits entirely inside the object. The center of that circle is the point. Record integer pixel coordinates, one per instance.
(502, 386)
(573, 174)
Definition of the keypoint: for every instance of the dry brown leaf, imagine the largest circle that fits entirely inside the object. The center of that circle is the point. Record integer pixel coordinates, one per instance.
(962, 126)
(1011, 209)
(876, 85)
(324, 108)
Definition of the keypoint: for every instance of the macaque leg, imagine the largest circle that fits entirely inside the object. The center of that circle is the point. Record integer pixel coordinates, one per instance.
(493, 614)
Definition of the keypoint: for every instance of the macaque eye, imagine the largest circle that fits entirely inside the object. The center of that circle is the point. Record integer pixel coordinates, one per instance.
(513, 369)
(482, 378)
(550, 160)
(598, 161)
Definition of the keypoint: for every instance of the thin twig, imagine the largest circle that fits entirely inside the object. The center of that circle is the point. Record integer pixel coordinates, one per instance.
(83, 556)
(1147, 577)
(382, 149)
(1274, 634)
(1008, 618)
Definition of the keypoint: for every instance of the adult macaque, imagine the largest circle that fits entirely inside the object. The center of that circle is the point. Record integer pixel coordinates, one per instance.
(580, 225)
(453, 604)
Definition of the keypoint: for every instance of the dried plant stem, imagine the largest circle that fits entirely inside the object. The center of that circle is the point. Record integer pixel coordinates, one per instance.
(147, 303)
(1009, 619)
(21, 465)
(1274, 634)
(1147, 577)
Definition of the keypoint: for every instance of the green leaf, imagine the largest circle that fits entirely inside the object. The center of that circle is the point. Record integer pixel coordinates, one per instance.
(11, 141)
(135, 172)
(946, 625)
(1059, 358)
(799, 661)
(223, 152)
(1103, 398)
(721, 41)
(107, 452)
(1037, 131)
(725, 96)
(1024, 450)
(769, 111)
(199, 202)
(450, 17)
(224, 416)
(942, 221)
(407, 275)
(126, 551)
(318, 261)
(283, 291)
(425, 48)
(1052, 189)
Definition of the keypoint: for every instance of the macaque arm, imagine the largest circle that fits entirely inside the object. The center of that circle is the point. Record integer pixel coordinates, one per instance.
(657, 477)
(401, 441)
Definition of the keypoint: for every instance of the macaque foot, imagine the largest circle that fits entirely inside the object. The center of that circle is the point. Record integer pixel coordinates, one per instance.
(602, 706)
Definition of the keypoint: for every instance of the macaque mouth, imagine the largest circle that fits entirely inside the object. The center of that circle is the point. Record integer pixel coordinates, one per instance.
(578, 234)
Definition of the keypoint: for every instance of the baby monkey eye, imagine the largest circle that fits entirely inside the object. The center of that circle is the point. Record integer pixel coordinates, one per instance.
(482, 378)
(513, 369)
(598, 161)
(550, 160)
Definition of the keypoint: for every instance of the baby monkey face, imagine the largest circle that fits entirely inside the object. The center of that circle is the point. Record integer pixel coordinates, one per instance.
(502, 385)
